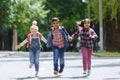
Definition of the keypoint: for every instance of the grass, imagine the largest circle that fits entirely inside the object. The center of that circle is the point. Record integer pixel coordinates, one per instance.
(107, 54)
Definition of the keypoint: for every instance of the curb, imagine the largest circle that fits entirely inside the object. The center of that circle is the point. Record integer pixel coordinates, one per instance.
(6, 53)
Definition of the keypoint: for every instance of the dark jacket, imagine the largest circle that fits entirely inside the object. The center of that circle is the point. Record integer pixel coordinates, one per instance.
(63, 32)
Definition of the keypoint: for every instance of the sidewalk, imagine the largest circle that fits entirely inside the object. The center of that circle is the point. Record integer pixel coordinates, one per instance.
(6, 53)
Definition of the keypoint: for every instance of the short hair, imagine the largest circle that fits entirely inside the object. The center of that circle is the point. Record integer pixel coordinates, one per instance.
(55, 19)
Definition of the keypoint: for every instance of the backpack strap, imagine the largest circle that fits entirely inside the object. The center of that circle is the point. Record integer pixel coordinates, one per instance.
(80, 30)
(90, 30)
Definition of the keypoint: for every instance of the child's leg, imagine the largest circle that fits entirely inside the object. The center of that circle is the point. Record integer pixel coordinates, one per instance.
(85, 56)
(89, 58)
(37, 54)
(55, 58)
(62, 61)
(31, 58)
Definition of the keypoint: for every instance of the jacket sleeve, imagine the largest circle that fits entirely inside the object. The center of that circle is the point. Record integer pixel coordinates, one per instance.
(94, 34)
(49, 39)
(23, 42)
(66, 32)
(43, 39)
(76, 34)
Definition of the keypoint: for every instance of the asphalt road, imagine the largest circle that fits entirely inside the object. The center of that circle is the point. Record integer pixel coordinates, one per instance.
(15, 67)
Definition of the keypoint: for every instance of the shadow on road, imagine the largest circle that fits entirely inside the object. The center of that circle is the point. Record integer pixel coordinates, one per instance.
(50, 77)
(22, 78)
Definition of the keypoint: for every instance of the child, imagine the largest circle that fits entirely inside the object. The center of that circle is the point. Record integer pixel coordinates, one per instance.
(58, 40)
(33, 43)
(34, 22)
(87, 35)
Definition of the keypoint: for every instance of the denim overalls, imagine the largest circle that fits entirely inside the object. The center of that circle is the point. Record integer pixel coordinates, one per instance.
(34, 51)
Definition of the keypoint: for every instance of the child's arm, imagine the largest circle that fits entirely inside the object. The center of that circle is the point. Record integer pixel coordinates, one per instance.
(94, 35)
(43, 39)
(24, 42)
(21, 44)
(75, 35)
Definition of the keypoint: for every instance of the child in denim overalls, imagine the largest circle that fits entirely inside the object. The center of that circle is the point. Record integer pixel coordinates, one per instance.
(34, 22)
(33, 43)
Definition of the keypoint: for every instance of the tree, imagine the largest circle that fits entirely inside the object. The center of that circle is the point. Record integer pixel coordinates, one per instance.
(111, 10)
(4, 21)
(24, 12)
(18, 15)
(69, 11)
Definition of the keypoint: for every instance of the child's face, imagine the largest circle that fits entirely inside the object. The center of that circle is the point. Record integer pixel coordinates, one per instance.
(55, 24)
(86, 24)
(33, 30)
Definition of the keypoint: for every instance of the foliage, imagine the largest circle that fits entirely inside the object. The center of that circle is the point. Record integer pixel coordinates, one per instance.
(69, 11)
(109, 8)
(23, 12)
(4, 14)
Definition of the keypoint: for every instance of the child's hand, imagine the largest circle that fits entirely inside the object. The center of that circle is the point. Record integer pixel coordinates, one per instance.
(18, 47)
(92, 36)
(70, 39)
(41, 47)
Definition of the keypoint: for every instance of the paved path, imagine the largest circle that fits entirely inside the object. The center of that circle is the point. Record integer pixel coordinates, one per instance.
(15, 67)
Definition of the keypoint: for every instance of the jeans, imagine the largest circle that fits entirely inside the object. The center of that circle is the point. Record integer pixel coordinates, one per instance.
(86, 54)
(58, 53)
(34, 54)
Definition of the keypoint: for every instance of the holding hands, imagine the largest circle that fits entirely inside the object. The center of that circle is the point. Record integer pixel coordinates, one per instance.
(70, 39)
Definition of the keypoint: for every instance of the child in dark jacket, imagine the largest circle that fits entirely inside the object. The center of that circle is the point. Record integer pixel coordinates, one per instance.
(58, 40)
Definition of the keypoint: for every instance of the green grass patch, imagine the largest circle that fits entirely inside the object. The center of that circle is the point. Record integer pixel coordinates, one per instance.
(108, 54)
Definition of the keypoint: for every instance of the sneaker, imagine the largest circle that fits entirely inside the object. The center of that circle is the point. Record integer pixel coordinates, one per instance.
(31, 65)
(36, 74)
(85, 72)
(61, 70)
(55, 72)
(89, 72)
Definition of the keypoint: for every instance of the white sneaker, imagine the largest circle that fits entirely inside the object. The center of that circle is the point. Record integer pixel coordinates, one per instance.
(89, 72)
(85, 72)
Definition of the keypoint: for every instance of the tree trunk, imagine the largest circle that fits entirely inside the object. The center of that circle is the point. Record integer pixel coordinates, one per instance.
(14, 43)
